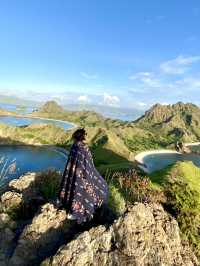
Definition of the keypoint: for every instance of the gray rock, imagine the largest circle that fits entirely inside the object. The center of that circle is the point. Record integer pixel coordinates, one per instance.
(11, 201)
(145, 235)
(24, 183)
(41, 237)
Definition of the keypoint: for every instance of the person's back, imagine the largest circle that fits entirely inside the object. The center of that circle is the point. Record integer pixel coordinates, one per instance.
(82, 189)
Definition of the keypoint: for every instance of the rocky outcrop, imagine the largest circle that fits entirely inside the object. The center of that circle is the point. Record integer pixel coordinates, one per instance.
(179, 120)
(145, 235)
(11, 201)
(42, 236)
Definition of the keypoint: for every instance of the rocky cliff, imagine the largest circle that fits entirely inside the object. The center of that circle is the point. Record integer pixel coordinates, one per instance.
(144, 235)
(178, 120)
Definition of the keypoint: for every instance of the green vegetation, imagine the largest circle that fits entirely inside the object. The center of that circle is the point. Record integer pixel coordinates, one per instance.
(180, 184)
(116, 201)
(114, 144)
(82, 118)
(174, 122)
(49, 185)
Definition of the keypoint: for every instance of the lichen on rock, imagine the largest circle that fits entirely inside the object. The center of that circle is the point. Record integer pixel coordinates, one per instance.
(145, 235)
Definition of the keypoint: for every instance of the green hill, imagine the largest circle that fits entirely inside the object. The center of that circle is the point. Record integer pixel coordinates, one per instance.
(131, 137)
(177, 121)
(82, 118)
(180, 183)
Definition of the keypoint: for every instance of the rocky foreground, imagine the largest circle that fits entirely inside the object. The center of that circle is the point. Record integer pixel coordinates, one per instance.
(34, 232)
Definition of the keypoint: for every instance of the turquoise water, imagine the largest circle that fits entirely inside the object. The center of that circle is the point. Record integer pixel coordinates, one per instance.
(23, 121)
(15, 108)
(158, 161)
(18, 160)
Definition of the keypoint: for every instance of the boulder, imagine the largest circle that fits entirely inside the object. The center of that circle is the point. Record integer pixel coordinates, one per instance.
(40, 238)
(24, 184)
(145, 235)
(11, 201)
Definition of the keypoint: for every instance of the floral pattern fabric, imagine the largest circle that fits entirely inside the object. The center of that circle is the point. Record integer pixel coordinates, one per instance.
(84, 188)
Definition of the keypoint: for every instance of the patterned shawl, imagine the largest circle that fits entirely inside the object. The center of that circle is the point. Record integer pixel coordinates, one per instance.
(83, 187)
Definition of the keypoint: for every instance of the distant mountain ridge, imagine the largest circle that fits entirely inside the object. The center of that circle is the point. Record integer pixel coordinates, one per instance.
(83, 118)
(17, 101)
(180, 119)
(123, 113)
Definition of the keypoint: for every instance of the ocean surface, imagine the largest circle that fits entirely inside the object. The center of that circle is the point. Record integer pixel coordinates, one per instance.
(158, 161)
(18, 160)
(15, 108)
(23, 121)
(125, 114)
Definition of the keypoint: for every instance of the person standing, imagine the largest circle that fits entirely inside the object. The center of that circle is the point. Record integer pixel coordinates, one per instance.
(82, 190)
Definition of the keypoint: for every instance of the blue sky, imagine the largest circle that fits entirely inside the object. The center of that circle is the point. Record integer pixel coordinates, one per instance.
(119, 53)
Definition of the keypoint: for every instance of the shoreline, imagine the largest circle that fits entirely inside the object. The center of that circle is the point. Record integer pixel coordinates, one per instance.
(42, 118)
(59, 150)
(139, 158)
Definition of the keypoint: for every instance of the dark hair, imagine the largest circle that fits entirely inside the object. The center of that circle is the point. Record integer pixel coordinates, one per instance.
(79, 134)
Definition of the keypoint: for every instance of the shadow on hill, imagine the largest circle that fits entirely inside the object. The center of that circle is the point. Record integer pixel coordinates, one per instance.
(108, 161)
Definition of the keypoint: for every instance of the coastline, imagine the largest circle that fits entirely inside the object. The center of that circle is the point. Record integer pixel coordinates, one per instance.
(139, 158)
(42, 118)
(51, 119)
(59, 150)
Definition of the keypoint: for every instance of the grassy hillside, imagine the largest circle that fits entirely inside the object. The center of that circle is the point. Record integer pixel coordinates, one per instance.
(175, 122)
(82, 118)
(109, 150)
(160, 127)
(180, 184)
(114, 144)
(135, 138)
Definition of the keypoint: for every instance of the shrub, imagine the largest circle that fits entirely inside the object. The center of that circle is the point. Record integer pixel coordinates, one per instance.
(49, 184)
(116, 201)
(185, 206)
(133, 186)
(127, 187)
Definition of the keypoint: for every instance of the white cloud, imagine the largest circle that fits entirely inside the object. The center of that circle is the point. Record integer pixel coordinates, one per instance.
(88, 76)
(147, 78)
(142, 104)
(83, 99)
(179, 65)
(111, 100)
(140, 75)
(189, 83)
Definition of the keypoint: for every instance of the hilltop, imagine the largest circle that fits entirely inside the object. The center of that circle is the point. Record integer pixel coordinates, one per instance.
(83, 118)
(173, 122)
(114, 144)
(159, 127)
(176, 122)
(35, 232)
